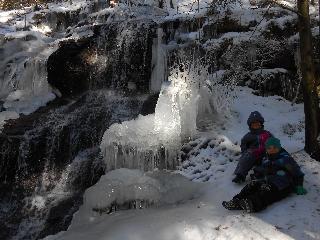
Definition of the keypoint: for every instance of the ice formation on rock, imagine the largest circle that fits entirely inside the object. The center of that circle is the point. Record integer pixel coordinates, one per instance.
(23, 82)
(154, 141)
(125, 186)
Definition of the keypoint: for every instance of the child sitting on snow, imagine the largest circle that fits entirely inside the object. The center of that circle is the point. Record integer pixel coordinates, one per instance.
(252, 146)
(273, 180)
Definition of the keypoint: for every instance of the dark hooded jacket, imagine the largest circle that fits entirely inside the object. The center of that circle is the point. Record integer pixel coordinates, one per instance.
(281, 170)
(254, 140)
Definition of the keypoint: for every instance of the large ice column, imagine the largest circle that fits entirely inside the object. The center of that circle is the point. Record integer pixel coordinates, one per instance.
(159, 62)
(176, 110)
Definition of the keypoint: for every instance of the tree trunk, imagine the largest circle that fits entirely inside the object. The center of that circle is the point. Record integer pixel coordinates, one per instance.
(310, 96)
(318, 55)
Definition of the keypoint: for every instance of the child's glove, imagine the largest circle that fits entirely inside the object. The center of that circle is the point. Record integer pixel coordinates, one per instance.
(300, 190)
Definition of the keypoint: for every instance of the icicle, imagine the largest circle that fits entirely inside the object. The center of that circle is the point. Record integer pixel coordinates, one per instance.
(159, 62)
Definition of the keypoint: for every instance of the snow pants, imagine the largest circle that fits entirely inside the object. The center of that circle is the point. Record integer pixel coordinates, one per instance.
(262, 194)
(246, 162)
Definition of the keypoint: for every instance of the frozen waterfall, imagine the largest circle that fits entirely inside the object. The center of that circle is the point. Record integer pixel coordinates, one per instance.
(154, 141)
(23, 81)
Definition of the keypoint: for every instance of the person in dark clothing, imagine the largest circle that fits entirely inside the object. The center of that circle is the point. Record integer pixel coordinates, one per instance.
(252, 146)
(276, 178)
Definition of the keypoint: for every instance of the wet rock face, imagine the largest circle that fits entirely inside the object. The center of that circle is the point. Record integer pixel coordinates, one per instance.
(68, 71)
(53, 138)
(46, 161)
(118, 53)
(48, 158)
(125, 54)
(172, 28)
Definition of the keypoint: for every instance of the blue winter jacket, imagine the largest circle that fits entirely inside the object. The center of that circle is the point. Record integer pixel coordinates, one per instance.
(280, 170)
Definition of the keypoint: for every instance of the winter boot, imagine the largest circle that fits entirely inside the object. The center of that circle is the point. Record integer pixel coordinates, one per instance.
(232, 204)
(239, 179)
(246, 205)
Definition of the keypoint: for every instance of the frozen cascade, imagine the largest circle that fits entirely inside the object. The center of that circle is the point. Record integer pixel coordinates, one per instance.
(24, 87)
(51, 162)
(44, 198)
(154, 141)
(159, 62)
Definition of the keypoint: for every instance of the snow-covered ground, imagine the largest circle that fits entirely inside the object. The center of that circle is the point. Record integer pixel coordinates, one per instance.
(211, 159)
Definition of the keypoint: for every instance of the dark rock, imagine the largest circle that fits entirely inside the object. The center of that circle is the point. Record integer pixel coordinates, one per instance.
(275, 82)
(68, 71)
(127, 60)
(170, 28)
(204, 144)
(103, 61)
(149, 105)
(274, 31)
(224, 25)
(2, 108)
